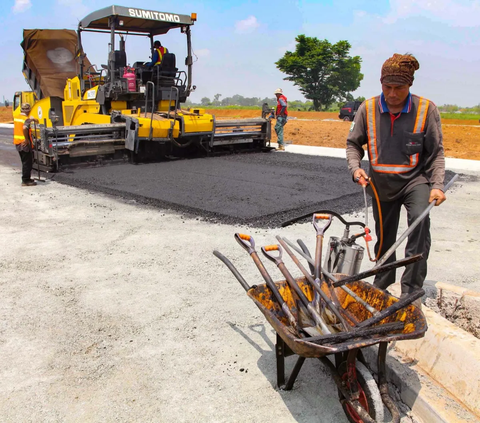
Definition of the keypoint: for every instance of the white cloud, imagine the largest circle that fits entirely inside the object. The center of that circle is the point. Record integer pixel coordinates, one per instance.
(203, 52)
(359, 13)
(76, 7)
(462, 13)
(289, 47)
(21, 5)
(247, 25)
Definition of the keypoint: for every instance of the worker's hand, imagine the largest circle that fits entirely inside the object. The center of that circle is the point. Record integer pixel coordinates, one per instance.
(360, 177)
(437, 194)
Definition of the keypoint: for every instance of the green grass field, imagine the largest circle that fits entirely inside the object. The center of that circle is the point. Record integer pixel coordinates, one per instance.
(460, 116)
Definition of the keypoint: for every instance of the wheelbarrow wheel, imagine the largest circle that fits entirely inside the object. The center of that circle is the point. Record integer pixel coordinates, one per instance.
(370, 397)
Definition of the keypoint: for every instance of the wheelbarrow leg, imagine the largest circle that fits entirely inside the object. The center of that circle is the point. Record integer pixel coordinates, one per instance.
(383, 385)
(282, 350)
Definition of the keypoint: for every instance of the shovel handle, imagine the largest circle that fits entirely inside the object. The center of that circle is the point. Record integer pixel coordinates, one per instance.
(275, 258)
(246, 241)
(321, 216)
(273, 247)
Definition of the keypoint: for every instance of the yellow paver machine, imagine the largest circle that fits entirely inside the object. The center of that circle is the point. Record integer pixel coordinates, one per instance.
(118, 111)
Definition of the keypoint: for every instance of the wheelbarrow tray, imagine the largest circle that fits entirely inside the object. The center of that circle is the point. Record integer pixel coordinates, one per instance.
(415, 324)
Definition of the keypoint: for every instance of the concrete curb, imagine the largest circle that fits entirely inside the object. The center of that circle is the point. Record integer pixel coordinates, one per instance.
(428, 400)
(449, 359)
(450, 163)
(450, 356)
(6, 125)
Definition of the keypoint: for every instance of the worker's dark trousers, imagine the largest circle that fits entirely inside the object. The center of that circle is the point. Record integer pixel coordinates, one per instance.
(27, 164)
(415, 202)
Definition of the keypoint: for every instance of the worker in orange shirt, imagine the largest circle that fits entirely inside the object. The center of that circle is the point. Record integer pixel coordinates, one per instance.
(22, 139)
(158, 53)
(281, 115)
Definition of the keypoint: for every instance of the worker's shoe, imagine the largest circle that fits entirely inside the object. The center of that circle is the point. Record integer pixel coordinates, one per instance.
(417, 303)
(29, 183)
(281, 148)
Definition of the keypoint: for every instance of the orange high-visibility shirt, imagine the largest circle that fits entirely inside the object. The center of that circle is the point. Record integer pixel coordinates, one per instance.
(18, 123)
(161, 51)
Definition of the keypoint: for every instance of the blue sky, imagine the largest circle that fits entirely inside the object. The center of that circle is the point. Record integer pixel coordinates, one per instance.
(237, 43)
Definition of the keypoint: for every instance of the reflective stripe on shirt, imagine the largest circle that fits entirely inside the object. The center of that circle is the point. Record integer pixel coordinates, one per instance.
(372, 138)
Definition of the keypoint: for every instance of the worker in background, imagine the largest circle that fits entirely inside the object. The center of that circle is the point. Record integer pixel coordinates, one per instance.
(22, 139)
(281, 116)
(403, 134)
(158, 53)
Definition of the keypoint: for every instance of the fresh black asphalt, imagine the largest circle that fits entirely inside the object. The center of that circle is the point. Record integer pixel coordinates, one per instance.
(257, 189)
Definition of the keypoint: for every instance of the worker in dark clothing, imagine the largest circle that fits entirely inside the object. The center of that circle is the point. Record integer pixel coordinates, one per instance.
(158, 53)
(281, 114)
(22, 139)
(403, 134)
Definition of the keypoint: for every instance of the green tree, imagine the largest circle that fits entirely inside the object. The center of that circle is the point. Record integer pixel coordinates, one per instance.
(324, 72)
(205, 101)
(216, 99)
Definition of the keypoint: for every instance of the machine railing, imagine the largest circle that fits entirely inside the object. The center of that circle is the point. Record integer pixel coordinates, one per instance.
(172, 123)
(54, 139)
(150, 135)
(235, 131)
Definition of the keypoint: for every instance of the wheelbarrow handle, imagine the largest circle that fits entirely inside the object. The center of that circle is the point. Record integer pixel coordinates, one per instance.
(275, 258)
(246, 241)
(232, 269)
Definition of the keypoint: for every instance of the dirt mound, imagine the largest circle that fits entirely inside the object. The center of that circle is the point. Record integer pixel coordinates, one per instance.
(458, 311)
(461, 137)
(240, 113)
(6, 114)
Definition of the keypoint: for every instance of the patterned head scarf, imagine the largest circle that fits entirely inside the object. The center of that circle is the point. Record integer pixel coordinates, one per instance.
(399, 69)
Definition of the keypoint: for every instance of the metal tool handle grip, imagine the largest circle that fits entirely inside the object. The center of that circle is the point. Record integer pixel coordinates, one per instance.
(273, 247)
(246, 241)
(321, 216)
(266, 252)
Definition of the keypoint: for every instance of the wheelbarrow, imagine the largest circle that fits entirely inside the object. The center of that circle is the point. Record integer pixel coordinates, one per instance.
(361, 397)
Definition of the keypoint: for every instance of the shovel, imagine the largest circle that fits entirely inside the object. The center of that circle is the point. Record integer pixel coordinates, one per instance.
(247, 242)
(332, 278)
(320, 323)
(318, 254)
(316, 285)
